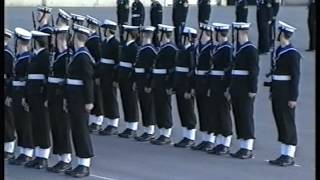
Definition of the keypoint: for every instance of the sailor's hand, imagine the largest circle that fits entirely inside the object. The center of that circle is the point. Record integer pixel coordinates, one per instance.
(292, 104)
(252, 95)
(89, 107)
(169, 91)
(209, 92)
(187, 95)
(147, 90)
(115, 84)
(227, 95)
(8, 101)
(46, 103)
(65, 105)
(25, 104)
(134, 86)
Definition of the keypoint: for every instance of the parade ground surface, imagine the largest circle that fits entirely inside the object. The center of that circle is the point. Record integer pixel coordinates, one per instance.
(125, 159)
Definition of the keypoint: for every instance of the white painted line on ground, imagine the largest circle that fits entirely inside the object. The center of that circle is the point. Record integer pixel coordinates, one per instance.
(101, 177)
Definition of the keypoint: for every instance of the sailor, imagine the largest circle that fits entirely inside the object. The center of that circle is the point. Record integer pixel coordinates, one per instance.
(38, 70)
(9, 133)
(77, 19)
(80, 97)
(63, 18)
(94, 46)
(128, 93)
(284, 94)
(123, 16)
(179, 17)
(137, 10)
(108, 77)
(155, 19)
(243, 89)
(43, 16)
(219, 79)
(20, 107)
(204, 10)
(162, 84)
(241, 10)
(143, 72)
(184, 69)
(60, 123)
(201, 86)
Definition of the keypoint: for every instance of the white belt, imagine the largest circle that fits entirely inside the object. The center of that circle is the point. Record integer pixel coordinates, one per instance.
(125, 64)
(281, 77)
(107, 61)
(240, 72)
(139, 70)
(159, 71)
(74, 82)
(201, 72)
(55, 80)
(18, 83)
(182, 69)
(36, 76)
(135, 15)
(217, 73)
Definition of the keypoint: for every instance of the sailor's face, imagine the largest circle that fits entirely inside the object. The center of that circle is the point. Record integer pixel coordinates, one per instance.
(39, 15)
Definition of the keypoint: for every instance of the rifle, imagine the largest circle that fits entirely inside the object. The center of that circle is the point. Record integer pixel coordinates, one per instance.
(272, 56)
(34, 28)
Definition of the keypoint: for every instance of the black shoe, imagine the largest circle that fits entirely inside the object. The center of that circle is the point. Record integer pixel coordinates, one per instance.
(60, 167)
(200, 146)
(219, 150)
(242, 154)
(109, 130)
(208, 146)
(128, 133)
(161, 140)
(8, 156)
(283, 160)
(42, 163)
(184, 143)
(93, 128)
(20, 160)
(145, 137)
(79, 171)
(310, 49)
(33, 163)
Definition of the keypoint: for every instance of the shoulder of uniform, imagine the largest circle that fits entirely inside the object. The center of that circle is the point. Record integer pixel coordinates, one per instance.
(9, 51)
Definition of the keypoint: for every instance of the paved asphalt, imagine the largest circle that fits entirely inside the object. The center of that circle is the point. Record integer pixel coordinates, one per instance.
(123, 159)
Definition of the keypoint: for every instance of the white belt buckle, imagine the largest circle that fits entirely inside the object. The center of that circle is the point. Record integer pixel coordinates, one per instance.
(281, 77)
(74, 82)
(55, 80)
(139, 70)
(107, 61)
(36, 76)
(217, 73)
(125, 64)
(159, 71)
(182, 69)
(240, 72)
(18, 83)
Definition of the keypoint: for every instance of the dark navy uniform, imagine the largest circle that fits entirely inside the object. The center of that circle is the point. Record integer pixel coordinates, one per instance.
(179, 16)
(204, 10)
(137, 17)
(155, 19)
(312, 24)
(264, 19)
(122, 15)
(241, 10)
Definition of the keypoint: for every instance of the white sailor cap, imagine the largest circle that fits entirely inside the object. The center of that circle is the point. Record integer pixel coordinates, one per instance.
(206, 27)
(241, 25)
(148, 29)
(221, 26)
(39, 34)
(63, 14)
(81, 29)
(61, 29)
(286, 27)
(165, 28)
(92, 20)
(8, 33)
(130, 28)
(77, 17)
(109, 24)
(22, 33)
(189, 30)
(44, 9)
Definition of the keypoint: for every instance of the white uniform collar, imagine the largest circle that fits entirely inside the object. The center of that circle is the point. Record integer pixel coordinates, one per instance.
(130, 42)
(110, 37)
(38, 51)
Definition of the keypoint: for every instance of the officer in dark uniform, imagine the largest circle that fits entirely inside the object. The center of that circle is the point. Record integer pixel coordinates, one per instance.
(143, 72)
(155, 19)
(9, 133)
(184, 70)
(20, 108)
(243, 89)
(179, 17)
(312, 24)
(108, 77)
(204, 10)
(60, 125)
(264, 20)
(203, 64)
(63, 18)
(128, 94)
(80, 97)
(284, 94)
(38, 70)
(241, 10)
(219, 79)
(94, 46)
(123, 16)
(137, 10)
(162, 84)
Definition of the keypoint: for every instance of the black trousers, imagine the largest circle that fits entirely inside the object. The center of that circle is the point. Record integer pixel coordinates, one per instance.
(241, 14)
(129, 100)
(186, 111)
(220, 122)
(79, 118)
(147, 107)
(155, 38)
(22, 119)
(285, 120)
(312, 28)
(263, 32)
(203, 104)
(40, 120)
(110, 101)
(60, 122)
(9, 131)
(242, 107)
(163, 108)
(178, 34)
(98, 101)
